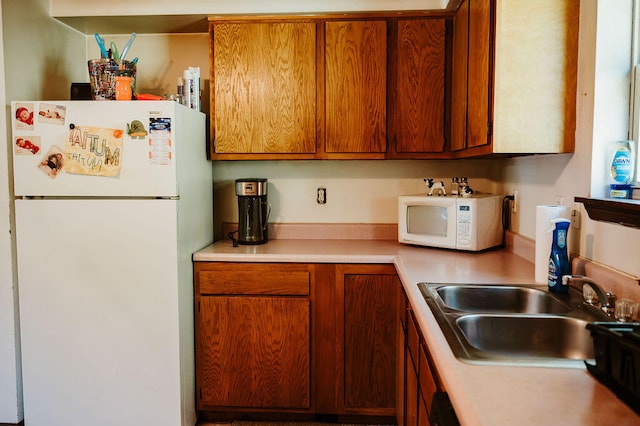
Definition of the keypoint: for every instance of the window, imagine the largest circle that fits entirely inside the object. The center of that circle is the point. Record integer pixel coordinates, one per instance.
(634, 104)
(610, 61)
(613, 56)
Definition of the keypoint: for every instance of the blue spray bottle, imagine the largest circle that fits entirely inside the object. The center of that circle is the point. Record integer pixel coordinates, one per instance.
(559, 259)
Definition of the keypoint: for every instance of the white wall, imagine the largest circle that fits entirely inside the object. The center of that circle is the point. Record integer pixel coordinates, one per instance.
(42, 56)
(38, 60)
(357, 191)
(601, 119)
(161, 60)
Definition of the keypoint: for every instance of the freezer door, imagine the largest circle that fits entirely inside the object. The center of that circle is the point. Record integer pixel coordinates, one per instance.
(99, 316)
(108, 149)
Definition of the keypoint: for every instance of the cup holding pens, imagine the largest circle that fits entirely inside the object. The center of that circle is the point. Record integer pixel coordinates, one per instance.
(104, 74)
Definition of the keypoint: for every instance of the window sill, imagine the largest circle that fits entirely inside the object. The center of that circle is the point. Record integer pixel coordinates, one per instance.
(621, 212)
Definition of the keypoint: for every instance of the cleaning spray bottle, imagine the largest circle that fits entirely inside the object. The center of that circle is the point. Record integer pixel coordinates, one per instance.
(559, 259)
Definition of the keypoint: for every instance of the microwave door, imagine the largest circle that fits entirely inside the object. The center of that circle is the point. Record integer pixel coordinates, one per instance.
(432, 224)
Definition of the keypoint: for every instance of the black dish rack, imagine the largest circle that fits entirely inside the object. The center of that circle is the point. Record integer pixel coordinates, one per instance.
(617, 355)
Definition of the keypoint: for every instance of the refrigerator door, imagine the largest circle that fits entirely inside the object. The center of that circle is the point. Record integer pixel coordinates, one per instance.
(99, 312)
(107, 149)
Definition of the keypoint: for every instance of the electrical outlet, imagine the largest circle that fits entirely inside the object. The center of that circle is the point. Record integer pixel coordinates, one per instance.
(516, 200)
(575, 216)
(321, 195)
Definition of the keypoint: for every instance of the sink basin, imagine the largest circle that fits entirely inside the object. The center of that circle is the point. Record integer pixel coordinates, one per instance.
(521, 325)
(526, 336)
(508, 299)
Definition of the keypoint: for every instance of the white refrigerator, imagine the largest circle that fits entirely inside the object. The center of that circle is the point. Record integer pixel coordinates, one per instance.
(112, 199)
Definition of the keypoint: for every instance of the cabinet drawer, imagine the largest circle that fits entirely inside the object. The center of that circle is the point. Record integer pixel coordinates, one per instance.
(253, 279)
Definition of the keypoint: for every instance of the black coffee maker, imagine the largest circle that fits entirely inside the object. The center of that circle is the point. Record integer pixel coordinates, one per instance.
(253, 211)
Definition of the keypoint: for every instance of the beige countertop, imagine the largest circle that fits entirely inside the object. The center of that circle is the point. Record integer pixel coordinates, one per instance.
(481, 394)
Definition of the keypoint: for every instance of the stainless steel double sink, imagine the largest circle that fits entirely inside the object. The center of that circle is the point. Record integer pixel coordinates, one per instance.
(522, 325)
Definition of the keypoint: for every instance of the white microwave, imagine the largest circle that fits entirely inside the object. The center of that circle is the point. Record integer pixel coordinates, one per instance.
(462, 223)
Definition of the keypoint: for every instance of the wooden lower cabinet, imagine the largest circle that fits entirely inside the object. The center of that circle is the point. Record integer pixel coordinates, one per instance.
(419, 382)
(280, 340)
(423, 411)
(427, 378)
(411, 392)
(366, 312)
(252, 336)
(269, 364)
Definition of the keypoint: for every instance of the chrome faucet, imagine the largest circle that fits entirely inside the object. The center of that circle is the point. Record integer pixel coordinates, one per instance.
(607, 300)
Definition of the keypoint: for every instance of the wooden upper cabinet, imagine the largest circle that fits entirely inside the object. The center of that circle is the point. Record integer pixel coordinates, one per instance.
(355, 83)
(496, 77)
(263, 87)
(419, 76)
(535, 88)
(521, 77)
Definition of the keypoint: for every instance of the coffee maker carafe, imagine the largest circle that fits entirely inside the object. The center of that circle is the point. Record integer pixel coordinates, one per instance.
(253, 211)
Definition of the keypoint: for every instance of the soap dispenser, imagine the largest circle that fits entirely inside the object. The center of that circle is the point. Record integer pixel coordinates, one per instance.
(559, 259)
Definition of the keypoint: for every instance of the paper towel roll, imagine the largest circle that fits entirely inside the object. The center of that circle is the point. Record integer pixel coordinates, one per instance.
(544, 215)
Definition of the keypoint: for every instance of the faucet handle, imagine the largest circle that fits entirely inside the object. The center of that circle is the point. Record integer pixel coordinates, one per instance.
(611, 299)
(589, 295)
(606, 299)
(626, 310)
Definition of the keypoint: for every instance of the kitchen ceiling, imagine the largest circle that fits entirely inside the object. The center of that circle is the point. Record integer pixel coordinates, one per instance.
(169, 16)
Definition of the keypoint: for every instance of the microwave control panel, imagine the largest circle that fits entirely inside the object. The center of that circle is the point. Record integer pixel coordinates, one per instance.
(464, 216)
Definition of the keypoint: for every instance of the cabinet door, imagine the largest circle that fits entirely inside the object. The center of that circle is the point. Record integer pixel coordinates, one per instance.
(535, 84)
(253, 338)
(254, 352)
(460, 54)
(427, 379)
(355, 84)
(423, 412)
(263, 78)
(369, 352)
(419, 120)
(412, 396)
(401, 354)
(521, 90)
(480, 73)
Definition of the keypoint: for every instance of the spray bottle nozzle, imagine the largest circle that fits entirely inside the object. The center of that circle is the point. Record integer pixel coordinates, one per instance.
(556, 221)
